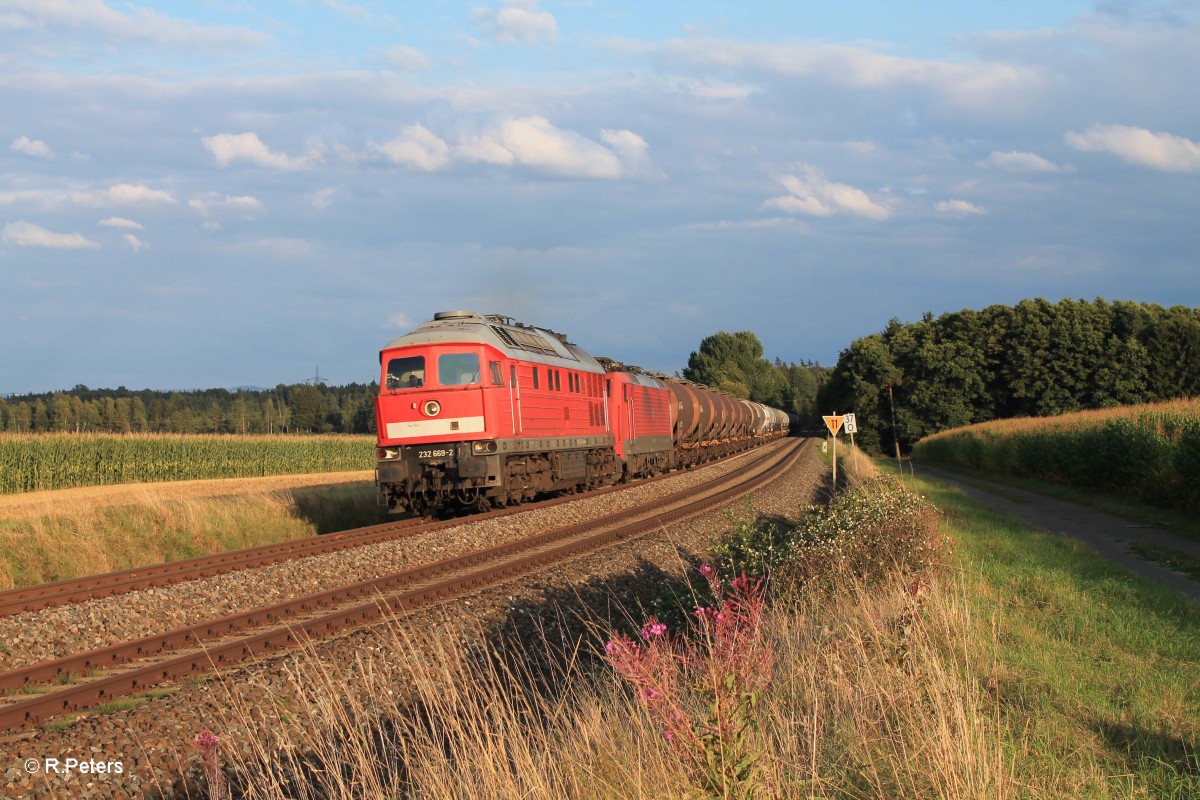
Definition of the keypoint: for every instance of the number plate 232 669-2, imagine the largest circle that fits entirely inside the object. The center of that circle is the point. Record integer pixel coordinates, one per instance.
(445, 452)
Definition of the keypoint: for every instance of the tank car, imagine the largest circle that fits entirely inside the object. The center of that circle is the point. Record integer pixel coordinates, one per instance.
(476, 412)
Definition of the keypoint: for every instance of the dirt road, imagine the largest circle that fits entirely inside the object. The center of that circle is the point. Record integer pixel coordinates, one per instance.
(1111, 537)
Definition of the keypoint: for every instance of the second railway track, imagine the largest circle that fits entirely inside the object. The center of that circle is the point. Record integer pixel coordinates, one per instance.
(224, 641)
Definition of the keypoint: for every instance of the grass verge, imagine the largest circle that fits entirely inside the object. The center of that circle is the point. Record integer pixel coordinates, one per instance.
(1099, 671)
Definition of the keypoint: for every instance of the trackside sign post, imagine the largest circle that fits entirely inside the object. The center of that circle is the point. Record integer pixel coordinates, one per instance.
(834, 423)
(850, 426)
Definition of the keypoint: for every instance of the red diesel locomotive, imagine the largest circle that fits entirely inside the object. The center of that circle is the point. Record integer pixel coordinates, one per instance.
(476, 412)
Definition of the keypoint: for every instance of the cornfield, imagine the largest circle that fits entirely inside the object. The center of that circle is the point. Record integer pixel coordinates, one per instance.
(1148, 452)
(35, 462)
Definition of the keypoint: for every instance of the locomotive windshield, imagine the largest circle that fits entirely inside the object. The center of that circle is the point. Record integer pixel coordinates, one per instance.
(458, 369)
(406, 373)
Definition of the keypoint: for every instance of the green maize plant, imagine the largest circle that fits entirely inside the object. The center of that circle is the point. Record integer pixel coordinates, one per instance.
(37, 462)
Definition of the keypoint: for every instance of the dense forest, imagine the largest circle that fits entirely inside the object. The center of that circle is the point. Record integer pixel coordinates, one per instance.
(1033, 359)
(299, 408)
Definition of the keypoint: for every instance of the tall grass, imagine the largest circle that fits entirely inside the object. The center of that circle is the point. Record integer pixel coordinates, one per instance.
(860, 706)
(1150, 453)
(78, 539)
(35, 462)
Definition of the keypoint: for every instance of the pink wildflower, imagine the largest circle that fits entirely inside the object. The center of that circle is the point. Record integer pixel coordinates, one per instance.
(652, 629)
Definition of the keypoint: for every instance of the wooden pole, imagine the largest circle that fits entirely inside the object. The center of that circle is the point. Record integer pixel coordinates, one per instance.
(835, 460)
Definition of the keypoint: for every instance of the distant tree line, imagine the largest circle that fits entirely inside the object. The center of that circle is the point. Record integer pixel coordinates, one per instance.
(734, 363)
(1033, 359)
(299, 408)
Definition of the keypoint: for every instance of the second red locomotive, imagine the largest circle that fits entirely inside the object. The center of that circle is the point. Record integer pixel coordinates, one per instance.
(481, 411)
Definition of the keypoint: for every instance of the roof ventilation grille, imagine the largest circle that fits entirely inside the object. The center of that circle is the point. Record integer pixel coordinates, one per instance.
(460, 314)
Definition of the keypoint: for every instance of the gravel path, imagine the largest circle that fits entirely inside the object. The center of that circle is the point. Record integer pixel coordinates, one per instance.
(153, 741)
(1110, 536)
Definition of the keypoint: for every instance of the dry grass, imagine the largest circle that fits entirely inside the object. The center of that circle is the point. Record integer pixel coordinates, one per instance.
(79, 537)
(876, 695)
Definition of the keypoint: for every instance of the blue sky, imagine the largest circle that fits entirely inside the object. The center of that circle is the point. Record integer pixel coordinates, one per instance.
(222, 193)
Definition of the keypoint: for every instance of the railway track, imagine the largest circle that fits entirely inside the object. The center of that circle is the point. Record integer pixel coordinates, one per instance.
(92, 587)
(225, 641)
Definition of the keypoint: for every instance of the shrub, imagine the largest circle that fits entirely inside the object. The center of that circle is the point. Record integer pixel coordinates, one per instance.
(870, 528)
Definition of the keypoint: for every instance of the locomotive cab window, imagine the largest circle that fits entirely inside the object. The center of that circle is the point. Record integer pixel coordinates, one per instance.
(497, 374)
(458, 369)
(407, 372)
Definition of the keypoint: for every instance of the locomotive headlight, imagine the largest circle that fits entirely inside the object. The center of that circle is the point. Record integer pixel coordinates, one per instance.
(386, 453)
(483, 447)
(432, 408)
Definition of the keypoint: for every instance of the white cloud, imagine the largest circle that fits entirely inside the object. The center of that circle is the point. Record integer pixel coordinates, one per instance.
(408, 59)
(973, 85)
(121, 194)
(534, 142)
(120, 222)
(128, 194)
(209, 203)
(416, 148)
(322, 198)
(229, 147)
(713, 90)
(31, 147)
(94, 20)
(1161, 151)
(517, 23)
(1016, 161)
(26, 234)
(813, 194)
(135, 244)
(958, 208)
(627, 143)
(399, 320)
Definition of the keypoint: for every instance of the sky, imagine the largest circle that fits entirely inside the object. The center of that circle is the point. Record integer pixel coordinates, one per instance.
(223, 193)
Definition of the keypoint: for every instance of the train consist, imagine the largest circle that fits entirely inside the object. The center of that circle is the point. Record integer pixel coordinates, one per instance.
(477, 412)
